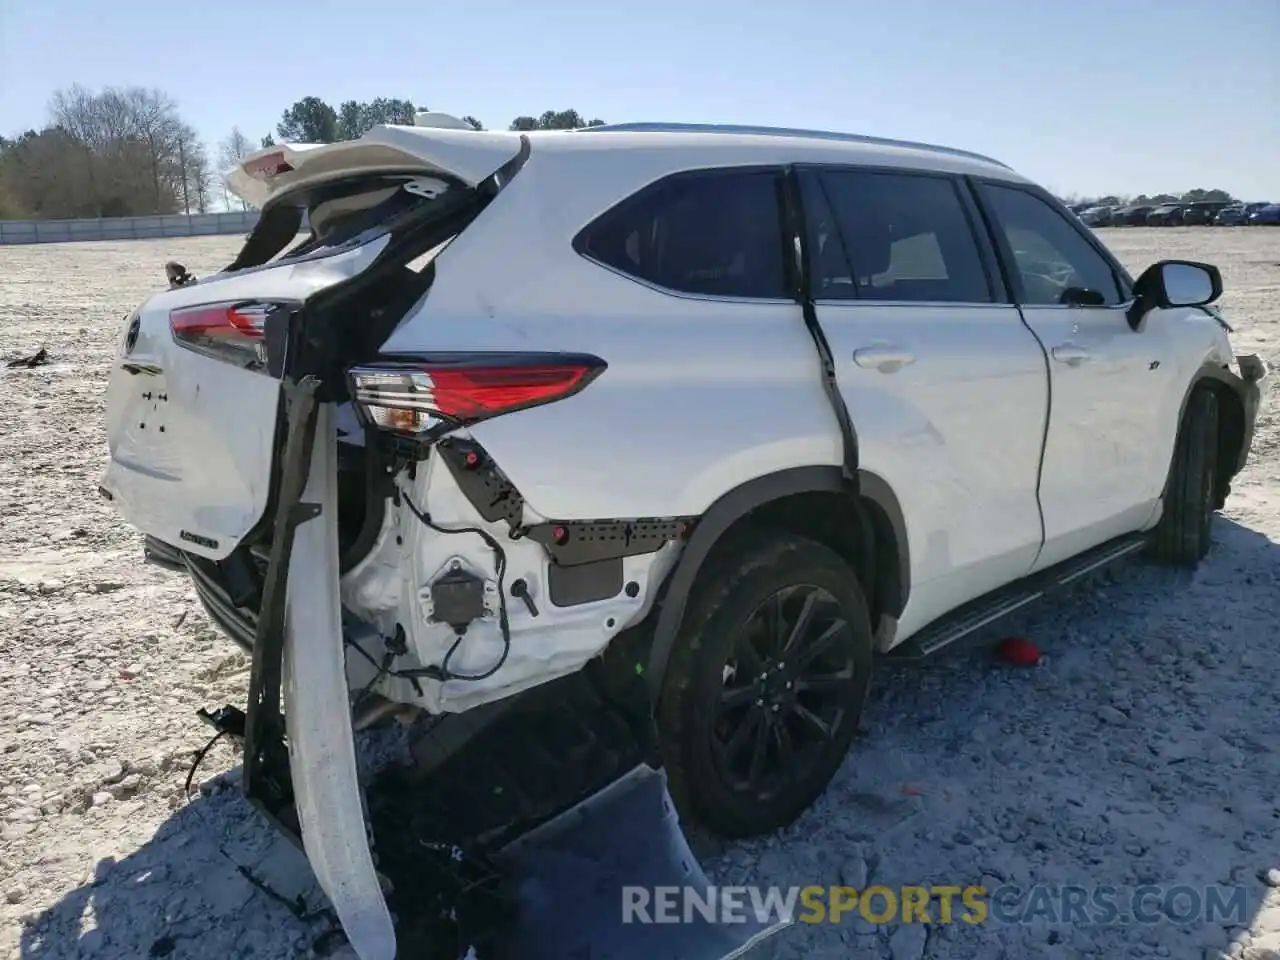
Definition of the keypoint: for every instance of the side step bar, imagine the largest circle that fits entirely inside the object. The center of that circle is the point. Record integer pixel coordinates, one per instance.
(1013, 597)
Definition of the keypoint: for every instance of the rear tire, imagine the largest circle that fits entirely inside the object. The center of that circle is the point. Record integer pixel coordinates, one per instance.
(1183, 535)
(766, 684)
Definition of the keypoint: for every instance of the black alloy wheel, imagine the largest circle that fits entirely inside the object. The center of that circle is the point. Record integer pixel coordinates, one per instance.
(765, 687)
(787, 686)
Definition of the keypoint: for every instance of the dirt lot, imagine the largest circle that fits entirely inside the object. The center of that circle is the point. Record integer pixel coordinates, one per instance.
(1144, 751)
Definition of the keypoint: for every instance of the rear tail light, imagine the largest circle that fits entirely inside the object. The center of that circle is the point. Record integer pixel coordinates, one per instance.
(430, 395)
(234, 332)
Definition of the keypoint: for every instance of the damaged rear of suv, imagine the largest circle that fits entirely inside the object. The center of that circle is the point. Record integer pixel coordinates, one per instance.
(302, 433)
(614, 456)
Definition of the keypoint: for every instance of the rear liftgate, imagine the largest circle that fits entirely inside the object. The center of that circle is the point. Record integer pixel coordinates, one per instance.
(524, 838)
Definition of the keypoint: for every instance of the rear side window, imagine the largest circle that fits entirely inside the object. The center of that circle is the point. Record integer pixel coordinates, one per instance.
(710, 234)
(891, 237)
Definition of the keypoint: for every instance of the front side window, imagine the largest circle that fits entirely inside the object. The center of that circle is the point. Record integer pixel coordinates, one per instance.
(891, 237)
(710, 234)
(1050, 255)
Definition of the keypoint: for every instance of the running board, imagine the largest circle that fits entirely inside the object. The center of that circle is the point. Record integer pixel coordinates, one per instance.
(1013, 597)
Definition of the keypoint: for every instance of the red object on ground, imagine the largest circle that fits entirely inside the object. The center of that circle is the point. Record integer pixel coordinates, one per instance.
(1019, 651)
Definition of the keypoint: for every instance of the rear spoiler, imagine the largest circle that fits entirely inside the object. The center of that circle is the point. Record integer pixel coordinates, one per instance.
(464, 154)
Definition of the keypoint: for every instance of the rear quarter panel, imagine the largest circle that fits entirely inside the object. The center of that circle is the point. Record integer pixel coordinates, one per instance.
(700, 395)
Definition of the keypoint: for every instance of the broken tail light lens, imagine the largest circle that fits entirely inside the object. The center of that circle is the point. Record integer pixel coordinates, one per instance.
(429, 395)
(234, 332)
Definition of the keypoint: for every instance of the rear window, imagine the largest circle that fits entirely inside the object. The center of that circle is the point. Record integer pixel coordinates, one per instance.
(329, 219)
(710, 233)
(353, 219)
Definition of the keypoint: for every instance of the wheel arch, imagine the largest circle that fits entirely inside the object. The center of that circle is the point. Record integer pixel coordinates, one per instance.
(1232, 420)
(871, 534)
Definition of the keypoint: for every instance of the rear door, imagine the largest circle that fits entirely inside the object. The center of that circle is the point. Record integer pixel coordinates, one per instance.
(192, 399)
(468, 156)
(1104, 462)
(945, 385)
(191, 404)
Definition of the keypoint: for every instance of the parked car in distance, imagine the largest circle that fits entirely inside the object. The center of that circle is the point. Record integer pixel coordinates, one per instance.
(1266, 216)
(1236, 214)
(1101, 216)
(1201, 212)
(1166, 215)
(1131, 216)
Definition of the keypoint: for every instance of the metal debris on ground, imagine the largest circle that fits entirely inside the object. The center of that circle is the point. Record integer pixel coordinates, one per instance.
(37, 359)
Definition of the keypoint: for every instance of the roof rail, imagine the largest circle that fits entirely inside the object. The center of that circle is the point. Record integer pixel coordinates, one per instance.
(728, 128)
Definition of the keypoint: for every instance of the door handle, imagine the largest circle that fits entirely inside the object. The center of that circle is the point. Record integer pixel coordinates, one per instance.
(1071, 354)
(884, 359)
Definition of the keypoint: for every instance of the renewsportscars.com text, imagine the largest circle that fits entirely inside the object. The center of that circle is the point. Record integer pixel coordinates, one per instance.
(970, 904)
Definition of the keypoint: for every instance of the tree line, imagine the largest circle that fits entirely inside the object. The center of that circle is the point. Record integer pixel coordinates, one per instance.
(312, 120)
(127, 151)
(121, 152)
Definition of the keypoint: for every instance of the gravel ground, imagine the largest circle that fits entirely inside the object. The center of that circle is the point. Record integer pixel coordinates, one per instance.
(1143, 750)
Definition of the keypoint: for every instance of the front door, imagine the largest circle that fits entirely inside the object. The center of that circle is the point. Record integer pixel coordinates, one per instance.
(1102, 471)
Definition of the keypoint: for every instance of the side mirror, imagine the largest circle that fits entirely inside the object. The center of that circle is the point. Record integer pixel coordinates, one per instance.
(1174, 283)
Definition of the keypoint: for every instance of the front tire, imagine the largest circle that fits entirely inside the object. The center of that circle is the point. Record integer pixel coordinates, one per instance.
(1183, 535)
(766, 684)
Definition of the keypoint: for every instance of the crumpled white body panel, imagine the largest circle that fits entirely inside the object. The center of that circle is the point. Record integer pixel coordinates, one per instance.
(322, 757)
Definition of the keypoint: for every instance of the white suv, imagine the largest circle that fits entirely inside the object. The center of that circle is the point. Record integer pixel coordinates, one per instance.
(764, 402)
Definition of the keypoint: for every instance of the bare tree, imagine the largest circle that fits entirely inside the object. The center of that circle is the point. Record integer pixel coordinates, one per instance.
(233, 148)
(155, 121)
(194, 173)
(136, 144)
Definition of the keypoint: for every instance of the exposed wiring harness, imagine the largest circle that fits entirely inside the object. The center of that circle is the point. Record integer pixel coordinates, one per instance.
(443, 672)
(397, 647)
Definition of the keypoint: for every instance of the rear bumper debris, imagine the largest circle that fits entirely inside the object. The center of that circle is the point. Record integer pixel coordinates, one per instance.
(238, 624)
(573, 873)
(522, 839)
(555, 816)
(161, 554)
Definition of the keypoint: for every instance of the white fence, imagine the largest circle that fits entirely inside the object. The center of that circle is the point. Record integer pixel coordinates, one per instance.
(126, 228)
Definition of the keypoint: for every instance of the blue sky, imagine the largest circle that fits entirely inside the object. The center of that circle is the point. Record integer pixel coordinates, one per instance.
(1085, 96)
